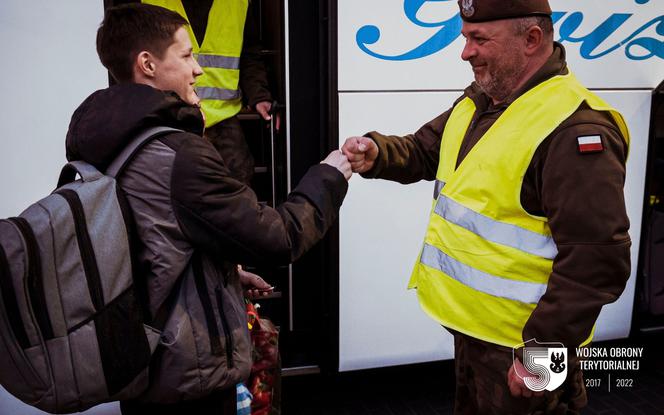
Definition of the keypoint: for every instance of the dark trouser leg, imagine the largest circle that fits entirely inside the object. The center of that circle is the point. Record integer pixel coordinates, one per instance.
(465, 398)
(228, 138)
(481, 370)
(222, 402)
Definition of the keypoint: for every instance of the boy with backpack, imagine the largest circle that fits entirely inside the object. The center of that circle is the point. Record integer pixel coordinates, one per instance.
(194, 223)
(192, 217)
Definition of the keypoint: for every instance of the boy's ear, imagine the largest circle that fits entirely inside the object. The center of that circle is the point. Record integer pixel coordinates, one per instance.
(145, 64)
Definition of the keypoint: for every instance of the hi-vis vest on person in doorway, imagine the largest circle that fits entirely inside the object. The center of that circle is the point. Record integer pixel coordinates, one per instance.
(218, 55)
(485, 261)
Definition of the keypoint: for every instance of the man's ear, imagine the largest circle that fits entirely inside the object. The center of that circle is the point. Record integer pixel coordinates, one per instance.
(145, 64)
(534, 40)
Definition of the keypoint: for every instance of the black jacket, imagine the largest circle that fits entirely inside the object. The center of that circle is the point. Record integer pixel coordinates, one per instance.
(197, 222)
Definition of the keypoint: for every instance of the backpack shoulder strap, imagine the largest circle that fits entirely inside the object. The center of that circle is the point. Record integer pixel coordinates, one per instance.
(134, 146)
(89, 173)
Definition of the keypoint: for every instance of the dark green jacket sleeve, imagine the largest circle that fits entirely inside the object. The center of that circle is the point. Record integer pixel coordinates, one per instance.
(582, 195)
(410, 158)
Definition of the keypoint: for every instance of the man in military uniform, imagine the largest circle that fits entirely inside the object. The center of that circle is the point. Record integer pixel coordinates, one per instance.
(528, 235)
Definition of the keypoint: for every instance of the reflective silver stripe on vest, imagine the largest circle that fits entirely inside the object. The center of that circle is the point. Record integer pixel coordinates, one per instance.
(206, 92)
(437, 188)
(494, 231)
(218, 61)
(525, 292)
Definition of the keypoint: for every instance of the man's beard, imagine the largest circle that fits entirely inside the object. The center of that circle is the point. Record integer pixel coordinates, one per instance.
(501, 81)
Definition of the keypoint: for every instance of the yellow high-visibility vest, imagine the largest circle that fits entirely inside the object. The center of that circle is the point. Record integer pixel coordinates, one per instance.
(485, 261)
(218, 55)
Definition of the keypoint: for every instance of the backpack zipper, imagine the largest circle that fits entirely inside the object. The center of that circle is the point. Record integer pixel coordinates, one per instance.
(204, 296)
(9, 299)
(88, 257)
(34, 280)
(225, 327)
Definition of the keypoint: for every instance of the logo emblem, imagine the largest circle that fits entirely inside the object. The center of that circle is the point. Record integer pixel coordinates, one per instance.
(467, 8)
(546, 362)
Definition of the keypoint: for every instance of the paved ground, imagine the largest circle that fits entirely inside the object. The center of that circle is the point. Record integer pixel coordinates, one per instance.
(428, 389)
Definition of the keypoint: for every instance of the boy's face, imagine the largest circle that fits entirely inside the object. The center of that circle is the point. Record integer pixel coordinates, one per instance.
(177, 69)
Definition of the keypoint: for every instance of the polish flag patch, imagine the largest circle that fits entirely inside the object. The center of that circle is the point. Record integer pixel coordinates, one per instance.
(590, 144)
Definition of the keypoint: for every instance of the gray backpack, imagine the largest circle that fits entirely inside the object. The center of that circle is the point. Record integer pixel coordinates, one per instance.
(74, 325)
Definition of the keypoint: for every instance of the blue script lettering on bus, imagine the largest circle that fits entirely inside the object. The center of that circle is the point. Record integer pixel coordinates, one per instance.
(637, 46)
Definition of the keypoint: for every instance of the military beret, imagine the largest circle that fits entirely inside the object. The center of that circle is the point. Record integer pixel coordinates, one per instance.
(487, 10)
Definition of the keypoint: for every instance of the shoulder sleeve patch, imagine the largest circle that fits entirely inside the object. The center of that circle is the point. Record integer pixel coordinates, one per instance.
(590, 144)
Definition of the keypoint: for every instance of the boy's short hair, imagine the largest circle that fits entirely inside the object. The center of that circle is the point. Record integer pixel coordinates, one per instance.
(129, 29)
